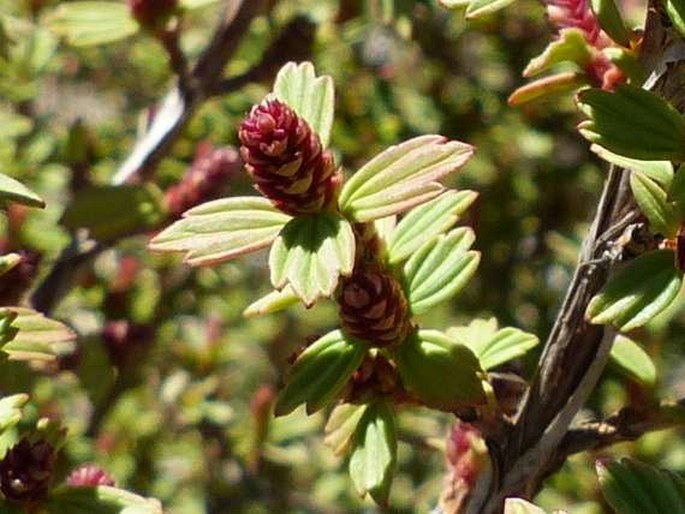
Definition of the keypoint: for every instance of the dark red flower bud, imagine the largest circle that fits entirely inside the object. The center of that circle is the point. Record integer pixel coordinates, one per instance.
(17, 281)
(90, 475)
(376, 377)
(152, 13)
(373, 308)
(26, 471)
(205, 180)
(285, 158)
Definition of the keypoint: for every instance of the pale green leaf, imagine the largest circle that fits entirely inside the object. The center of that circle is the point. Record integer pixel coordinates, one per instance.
(14, 191)
(99, 500)
(633, 122)
(610, 19)
(676, 11)
(439, 269)
(401, 177)
(552, 85)
(320, 373)
(92, 23)
(196, 4)
(427, 221)
(35, 337)
(10, 410)
(310, 254)
(640, 290)
(519, 506)
(9, 261)
(374, 456)
(661, 171)
(633, 361)
(310, 96)
(570, 46)
(112, 212)
(497, 348)
(478, 8)
(13, 125)
(654, 205)
(273, 302)
(222, 229)
(341, 426)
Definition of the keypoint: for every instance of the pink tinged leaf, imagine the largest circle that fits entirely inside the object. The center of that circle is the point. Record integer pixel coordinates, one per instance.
(222, 229)
(402, 176)
(554, 84)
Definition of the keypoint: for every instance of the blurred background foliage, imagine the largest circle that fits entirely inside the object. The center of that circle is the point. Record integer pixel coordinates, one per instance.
(170, 388)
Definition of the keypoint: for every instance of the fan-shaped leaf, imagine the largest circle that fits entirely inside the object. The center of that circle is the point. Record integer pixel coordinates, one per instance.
(310, 254)
(92, 23)
(439, 269)
(310, 96)
(373, 460)
(222, 229)
(401, 177)
(320, 373)
(426, 221)
(636, 293)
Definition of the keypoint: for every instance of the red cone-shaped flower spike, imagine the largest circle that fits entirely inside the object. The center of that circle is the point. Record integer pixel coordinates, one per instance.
(89, 475)
(26, 471)
(285, 158)
(373, 308)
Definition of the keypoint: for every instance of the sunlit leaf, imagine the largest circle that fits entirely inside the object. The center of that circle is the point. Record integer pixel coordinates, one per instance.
(112, 212)
(196, 4)
(320, 373)
(439, 269)
(637, 292)
(427, 354)
(556, 84)
(570, 46)
(676, 11)
(632, 487)
(341, 426)
(633, 361)
(427, 221)
(14, 191)
(633, 122)
(9, 261)
(401, 177)
(310, 96)
(478, 8)
(374, 456)
(10, 410)
(92, 23)
(310, 254)
(661, 171)
(33, 336)
(99, 500)
(654, 205)
(272, 302)
(222, 229)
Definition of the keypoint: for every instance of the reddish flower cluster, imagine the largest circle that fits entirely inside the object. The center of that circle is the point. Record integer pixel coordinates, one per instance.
(205, 180)
(578, 14)
(152, 13)
(89, 475)
(26, 471)
(373, 308)
(285, 158)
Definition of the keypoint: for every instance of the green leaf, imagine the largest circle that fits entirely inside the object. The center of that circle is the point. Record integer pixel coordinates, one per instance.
(631, 487)
(310, 96)
(676, 192)
(427, 221)
(374, 457)
(633, 361)
(556, 84)
(654, 205)
(519, 506)
(196, 4)
(634, 123)
(439, 269)
(112, 212)
(10, 410)
(320, 373)
(9, 261)
(494, 347)
(222, 229)
(14, 191)
(478, 8)
(342, 425)
(639, 291)
(13, 125)
(92, 23)
(676, 11)
(401, 177)
(611, 21)
(310, 254)
(99, 500)
(427, 354)
(660, 171)
(570, 46)
(273, 302)
(32, 336)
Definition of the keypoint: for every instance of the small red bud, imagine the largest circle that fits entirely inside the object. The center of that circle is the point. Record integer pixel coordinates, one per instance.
(152, 14)
(89, 475)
